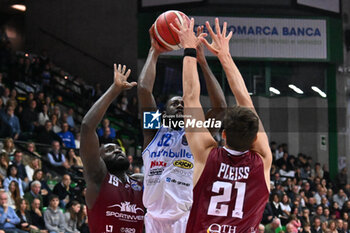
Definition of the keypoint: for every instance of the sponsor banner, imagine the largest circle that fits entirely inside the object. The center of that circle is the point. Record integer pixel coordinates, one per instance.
(272, 37)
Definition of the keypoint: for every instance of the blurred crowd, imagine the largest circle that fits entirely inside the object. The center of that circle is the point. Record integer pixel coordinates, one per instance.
(303, 198)
(41, 183)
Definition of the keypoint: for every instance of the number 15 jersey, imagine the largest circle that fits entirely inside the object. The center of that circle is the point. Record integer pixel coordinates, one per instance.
(231, 194)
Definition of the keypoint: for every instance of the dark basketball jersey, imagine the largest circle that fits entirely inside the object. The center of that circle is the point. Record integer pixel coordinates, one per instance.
(118, 207)
(231, 194)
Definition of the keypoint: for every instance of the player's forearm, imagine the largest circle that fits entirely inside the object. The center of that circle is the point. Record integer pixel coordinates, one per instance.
(190, 81)
(148, 73)
(98, 110)
(216, 95)
(236, 81)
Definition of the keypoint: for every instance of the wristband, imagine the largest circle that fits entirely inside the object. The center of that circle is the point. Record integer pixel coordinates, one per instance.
(190, 52)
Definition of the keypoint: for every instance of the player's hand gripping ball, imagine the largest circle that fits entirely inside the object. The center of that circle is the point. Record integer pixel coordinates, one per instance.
(163, 33)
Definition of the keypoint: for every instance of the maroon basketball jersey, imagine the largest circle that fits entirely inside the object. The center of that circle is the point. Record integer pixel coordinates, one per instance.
(118, 207)
(230, 195)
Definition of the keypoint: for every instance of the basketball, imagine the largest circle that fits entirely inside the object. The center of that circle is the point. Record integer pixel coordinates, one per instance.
(163, 33)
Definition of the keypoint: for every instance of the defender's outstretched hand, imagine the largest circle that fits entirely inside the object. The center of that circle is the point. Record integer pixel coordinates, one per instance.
(200, 46)
(121, 76)
(186, 35)
(220, 42)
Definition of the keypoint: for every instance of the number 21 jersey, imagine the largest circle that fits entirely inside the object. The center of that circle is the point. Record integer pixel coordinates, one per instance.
(230, 195)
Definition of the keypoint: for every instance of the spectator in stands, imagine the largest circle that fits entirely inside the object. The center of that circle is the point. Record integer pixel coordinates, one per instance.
(317, 171)
(276, 206)
(106, 138)
(13, 121)
(131, 162)
(21, 171)
(341, 178)
(64, 191)
(45, 189)
(332, 226)
(346, 227)
(53, 216)
(283, 160)
(96, 91)
(335, 210)
(46, 135)
(305, 217)
(80, 197)
(57, 111)
(106, 124)
(13, 176)
(8, 216)
(4, 163)
(30, 98)
(46, 78)
(31, 167)
(13, 96)
(13, 195)
(56, 158)
(273, 226)
(286, 209)
(340, 197)
(83, 220)
(340, 225)
(37, 216)
(319, 213)
(347, 189)
(295, 223)
(34, 192)
(43, 115)
(71, 217)
(40, 99)
(77, 140)
(306, 228)
(346, 207)
(70, 118)
(56, 126)
(316, 225)
(327, 213)
(312, 205)
(24, 216)
(5, 95)
(67, 136)
(261, 228)
(29, 117)
(73, 159)
(321, 192)
(32, 150)
(49, 104)
(268, 214)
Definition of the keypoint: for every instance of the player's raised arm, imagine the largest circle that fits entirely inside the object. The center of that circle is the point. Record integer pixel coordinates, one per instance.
(94, 167)
(199, 139)
(146, 82)
(220, 47)
(216, 95)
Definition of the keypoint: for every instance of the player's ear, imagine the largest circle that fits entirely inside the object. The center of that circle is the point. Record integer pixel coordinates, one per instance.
(223, 135)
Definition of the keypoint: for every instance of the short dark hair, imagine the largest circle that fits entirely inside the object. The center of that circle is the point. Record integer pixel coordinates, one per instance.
(53, 196)
(241, 126)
